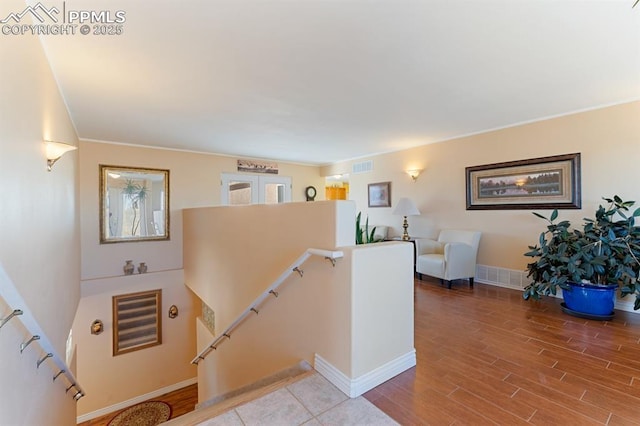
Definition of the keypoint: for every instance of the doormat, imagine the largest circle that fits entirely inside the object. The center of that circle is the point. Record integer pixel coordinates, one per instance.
(148, 413)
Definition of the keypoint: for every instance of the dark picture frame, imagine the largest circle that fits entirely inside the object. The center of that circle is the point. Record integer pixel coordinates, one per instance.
(252, 166)
(379, 194)
(537, 183)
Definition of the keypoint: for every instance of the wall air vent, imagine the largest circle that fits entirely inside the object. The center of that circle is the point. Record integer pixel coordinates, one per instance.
(136, 321)
(362, 167)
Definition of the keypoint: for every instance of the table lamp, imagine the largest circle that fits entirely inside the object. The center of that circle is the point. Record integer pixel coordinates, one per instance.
(406, 207)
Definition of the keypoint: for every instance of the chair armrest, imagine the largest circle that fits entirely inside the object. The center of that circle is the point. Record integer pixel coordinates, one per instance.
(428, 246)
(460, 259)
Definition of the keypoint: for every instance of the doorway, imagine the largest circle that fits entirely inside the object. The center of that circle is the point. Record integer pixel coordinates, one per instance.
(242, 189)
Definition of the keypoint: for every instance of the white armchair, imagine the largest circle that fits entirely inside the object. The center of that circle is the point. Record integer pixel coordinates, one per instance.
(451, 257)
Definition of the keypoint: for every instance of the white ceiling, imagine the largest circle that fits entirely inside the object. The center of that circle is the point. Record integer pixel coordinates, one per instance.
(319, 81)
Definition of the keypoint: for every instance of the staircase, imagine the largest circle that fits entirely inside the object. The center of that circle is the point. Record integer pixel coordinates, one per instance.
(220, 405)
(296, 396)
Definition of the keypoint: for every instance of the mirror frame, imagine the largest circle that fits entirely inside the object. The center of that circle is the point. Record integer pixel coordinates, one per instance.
(104, 171)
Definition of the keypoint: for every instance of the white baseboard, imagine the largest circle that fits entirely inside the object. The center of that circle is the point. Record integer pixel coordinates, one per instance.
(517, 280)
(356, 387)
(136, 400)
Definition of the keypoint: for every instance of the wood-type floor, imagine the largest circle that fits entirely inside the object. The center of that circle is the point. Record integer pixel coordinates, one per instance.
(487, 357)
(182, 401)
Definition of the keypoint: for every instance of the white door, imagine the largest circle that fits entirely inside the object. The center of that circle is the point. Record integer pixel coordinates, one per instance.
(274, 189)
(238, 189)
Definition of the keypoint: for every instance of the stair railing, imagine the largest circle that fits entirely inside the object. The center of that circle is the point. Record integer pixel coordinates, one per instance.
(270, 291)
(21, 311)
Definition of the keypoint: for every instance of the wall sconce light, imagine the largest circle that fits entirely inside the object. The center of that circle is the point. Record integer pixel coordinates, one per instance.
(173, 311)
(55, 150)
(414, 174)
(97, 327)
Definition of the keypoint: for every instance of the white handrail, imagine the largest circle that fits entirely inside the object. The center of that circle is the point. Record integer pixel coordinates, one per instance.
(20, 310)
(271, 290)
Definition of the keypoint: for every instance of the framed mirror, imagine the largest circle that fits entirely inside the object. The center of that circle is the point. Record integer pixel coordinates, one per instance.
(134, 204)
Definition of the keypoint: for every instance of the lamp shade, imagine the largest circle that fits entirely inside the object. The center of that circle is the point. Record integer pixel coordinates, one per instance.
(55, 150)
(406, 207)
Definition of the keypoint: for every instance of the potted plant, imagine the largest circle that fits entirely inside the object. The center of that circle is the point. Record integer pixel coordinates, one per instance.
(588, 263)
(363, 235)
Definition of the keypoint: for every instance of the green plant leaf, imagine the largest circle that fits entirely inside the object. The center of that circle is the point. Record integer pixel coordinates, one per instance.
(371, 235)
(363, 235)
(532, 253)
(604, 249)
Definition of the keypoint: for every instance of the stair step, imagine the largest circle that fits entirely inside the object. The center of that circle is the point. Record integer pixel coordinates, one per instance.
(221, 405)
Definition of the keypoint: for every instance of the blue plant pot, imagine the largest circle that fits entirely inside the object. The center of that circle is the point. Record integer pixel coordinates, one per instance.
(590, 299)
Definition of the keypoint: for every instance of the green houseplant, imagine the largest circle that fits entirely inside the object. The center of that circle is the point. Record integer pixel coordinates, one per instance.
(603, 252)
(363, 235)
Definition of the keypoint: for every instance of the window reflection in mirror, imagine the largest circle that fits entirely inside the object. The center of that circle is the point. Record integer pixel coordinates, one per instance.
(134, 204)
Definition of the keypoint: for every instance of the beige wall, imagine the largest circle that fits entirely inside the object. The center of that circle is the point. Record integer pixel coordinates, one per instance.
(381, 305)
(260, 241)
(39, 229)
(357, 316)
(194, 182)
(608, 139)
(287, 330)
(109, 380)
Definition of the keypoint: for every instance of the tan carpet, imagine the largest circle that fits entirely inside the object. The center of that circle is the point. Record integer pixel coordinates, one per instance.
(149, 413)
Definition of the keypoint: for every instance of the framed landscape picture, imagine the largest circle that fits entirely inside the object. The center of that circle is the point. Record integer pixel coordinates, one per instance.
(537, 183)
(380, 194)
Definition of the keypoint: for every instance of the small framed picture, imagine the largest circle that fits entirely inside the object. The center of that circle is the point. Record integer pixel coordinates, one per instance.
(380, 194)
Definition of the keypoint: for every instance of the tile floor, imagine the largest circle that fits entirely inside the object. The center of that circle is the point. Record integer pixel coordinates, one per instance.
(310, 401)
